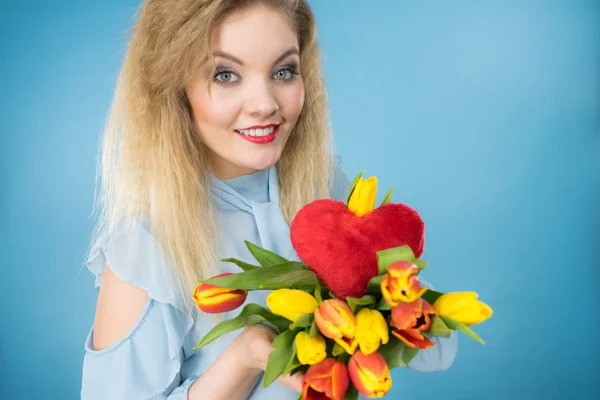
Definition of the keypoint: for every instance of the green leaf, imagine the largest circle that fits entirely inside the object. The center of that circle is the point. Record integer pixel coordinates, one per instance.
(408, 354)
(420, 263)
(353, 186)
(359, 302)
(396, 353)
(374, 286)
(304, 321)
(300, 368)
(314, 329)
(345, 358)
(243, 265)
(459, 326)
(431, 296)
(264, 257)
(318, 296)
(383, 306)
(351, 393)
(281, 356)
(293, 363)
(250, 315)
(257, 278)
(389, 256)
(302, 279)
(388, 197)
(337, 350)
(438, 327)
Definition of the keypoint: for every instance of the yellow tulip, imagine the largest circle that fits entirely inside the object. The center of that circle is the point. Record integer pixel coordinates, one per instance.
(371, 330)
(291, 303)
(463, 307)
(362, 200)
(310, 350)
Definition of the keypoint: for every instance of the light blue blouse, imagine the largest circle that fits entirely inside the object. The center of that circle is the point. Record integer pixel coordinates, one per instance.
(155, 359)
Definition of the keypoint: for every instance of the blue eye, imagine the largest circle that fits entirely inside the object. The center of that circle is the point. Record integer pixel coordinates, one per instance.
(287, 74)
(225, 76)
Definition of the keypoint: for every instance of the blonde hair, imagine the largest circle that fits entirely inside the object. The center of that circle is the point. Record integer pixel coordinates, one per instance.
(153, 162)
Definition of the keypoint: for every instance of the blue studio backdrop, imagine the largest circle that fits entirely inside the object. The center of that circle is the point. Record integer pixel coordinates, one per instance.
(484, 115)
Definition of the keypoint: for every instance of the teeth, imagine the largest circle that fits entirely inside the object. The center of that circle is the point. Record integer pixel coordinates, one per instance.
(257, 132)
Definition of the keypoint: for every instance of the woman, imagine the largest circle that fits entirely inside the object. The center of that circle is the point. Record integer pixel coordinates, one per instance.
(218, 134)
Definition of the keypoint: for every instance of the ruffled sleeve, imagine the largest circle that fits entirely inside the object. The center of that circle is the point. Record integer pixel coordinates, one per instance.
(146, 363)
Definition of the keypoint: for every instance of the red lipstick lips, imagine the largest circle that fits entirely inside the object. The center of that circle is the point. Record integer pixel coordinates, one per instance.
(261, 139)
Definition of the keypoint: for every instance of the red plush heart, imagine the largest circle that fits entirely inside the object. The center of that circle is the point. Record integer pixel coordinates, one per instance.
(340, 247)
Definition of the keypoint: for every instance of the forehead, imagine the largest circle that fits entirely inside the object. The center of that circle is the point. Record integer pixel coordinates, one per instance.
(255, 34)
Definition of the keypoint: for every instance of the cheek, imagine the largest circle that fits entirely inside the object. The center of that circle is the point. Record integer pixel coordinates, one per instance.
(215, 111)
(293, 101)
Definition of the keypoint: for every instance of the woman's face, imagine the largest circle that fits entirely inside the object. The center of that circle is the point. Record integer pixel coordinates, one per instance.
(256, 93)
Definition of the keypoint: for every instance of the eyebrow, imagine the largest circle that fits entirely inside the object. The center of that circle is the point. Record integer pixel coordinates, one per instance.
(223, 54)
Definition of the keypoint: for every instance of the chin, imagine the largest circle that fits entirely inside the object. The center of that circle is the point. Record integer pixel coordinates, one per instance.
(262, 161)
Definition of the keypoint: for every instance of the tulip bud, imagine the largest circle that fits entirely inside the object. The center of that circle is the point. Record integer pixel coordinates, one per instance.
(370, 374)
(215, 299)
(291, 303)
(463, 307)
(325, 380)
(362, 199)
(336, 321)
(410, 320)
(401, 283)
(371, 330)
(310, 350)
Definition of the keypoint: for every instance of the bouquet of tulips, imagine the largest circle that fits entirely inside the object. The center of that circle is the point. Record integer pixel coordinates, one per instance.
(354, 308)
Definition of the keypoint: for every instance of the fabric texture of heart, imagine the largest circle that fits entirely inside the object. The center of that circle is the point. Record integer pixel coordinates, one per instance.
(340, 247)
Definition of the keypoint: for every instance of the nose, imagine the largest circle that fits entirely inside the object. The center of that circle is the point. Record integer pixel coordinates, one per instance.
(261, 101)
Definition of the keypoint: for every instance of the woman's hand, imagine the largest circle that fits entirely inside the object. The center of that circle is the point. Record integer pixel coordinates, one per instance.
(255, 345)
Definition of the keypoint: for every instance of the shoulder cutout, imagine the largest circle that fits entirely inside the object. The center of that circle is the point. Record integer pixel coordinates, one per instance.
(119, 308)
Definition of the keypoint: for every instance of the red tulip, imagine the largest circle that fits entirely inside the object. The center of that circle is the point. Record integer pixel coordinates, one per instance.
(410, 320)
(325, 380)
(215, 299)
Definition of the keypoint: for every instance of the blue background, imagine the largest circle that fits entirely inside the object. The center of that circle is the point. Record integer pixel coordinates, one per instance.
(483, 115)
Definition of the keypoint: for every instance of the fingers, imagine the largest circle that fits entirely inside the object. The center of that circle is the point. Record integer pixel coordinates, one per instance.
(293, 382)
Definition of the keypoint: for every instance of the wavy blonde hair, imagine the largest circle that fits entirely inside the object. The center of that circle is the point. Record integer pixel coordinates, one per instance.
(153, 162)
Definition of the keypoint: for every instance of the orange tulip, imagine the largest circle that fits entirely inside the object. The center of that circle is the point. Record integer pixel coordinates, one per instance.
(325, 380)
(410, 320)
(401, 284)
(215, 299)
(370, 374)
(336, 321)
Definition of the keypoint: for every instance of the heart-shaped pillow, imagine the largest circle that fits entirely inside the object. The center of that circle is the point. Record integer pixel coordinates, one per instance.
(340, 247)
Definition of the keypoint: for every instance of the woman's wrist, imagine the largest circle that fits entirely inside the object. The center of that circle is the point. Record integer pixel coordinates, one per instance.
(244, 358)
(232, 376)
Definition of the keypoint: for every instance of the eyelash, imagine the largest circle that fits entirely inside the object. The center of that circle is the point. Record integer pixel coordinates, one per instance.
(291, 68)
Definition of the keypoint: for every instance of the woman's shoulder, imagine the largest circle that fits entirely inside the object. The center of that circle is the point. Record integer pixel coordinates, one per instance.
(134, 255)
